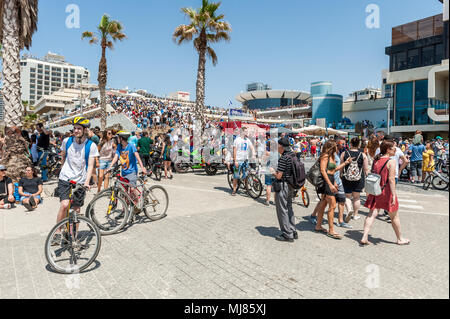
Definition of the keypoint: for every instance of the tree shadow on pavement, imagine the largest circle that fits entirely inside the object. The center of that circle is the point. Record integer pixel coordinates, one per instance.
(356, 235)
(268, 231)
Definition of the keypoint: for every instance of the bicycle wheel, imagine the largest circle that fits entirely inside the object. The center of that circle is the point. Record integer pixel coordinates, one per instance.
(158, 173)
(439, 183)
(78, 247)
(108, 215)
(230, 178)
(305, 198)
(427, 183)
(254, 186)
(156, 202)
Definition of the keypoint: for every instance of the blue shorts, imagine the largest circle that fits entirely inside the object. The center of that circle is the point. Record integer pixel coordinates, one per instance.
(268, 180)
(104, 164)
(241, 170)
(23, 197)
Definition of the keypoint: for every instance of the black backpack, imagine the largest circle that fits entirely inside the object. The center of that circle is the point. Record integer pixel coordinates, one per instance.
(298, 178)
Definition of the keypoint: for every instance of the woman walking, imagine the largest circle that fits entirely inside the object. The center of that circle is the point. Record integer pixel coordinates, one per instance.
(328, 168)
(353, 177)
(388, 200)
(107, 149)
(167, 147)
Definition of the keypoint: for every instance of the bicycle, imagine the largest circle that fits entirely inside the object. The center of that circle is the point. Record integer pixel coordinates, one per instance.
(116, 207)
(251, 183)
(80, 241)
(438, 177)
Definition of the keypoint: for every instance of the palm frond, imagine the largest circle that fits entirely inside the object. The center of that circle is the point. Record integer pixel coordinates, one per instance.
(212, 55)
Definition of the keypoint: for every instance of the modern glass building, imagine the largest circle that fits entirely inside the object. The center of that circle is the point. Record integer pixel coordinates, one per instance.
(417, 79)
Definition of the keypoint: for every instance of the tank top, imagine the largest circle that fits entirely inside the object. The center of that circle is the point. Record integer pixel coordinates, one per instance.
(107, 152)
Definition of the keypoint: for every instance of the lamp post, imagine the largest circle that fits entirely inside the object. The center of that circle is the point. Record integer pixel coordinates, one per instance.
(389, 117)
(81, 93)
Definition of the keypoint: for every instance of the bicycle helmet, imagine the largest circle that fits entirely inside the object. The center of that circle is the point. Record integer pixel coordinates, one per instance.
(125, 135)
(84, 122)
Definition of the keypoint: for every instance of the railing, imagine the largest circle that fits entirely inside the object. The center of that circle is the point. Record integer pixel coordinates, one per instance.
(417, 30)
(441, 107)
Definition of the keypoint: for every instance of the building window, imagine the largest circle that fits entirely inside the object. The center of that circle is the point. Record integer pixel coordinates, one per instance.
(428, 55)
(439, 53)
(413, 58)
(400, 61)
(403, 104)
(421, 103)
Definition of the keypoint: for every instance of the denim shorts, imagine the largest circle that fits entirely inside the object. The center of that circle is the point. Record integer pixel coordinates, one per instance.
(104, 164)
(132, 178)
(268, 180)
(23, 197)
(240, 170)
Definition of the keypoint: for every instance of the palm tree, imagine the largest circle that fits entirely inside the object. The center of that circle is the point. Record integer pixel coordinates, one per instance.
(205, 28)
(109, 31)
(18, 22)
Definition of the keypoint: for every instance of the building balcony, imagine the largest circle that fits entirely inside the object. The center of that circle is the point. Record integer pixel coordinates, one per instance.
(438, 110)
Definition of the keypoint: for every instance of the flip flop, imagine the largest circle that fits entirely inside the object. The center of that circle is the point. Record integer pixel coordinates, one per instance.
(323, 231)
(32, 201)
(405, 244)
(334, 236)
(364, 244)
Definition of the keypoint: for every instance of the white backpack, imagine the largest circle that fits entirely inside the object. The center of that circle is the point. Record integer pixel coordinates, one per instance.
(373, 181)
(353, 172)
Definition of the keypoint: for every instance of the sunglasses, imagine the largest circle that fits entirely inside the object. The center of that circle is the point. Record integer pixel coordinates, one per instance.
(3, 170)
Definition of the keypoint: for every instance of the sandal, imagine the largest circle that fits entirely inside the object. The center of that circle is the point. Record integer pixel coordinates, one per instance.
(334, 236)
(323, 231)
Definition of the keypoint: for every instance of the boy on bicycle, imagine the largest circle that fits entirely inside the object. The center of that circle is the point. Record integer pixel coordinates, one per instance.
(129, 159)
(78, 158)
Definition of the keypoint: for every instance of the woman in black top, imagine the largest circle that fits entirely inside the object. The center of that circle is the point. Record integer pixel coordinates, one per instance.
(30, 189)
(353, 188)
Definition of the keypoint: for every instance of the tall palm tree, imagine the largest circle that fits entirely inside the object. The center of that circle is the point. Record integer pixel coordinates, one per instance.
(206, 27)
(108, 31)
(18, 22)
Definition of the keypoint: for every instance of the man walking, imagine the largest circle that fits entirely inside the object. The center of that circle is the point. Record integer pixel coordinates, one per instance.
(284, 193)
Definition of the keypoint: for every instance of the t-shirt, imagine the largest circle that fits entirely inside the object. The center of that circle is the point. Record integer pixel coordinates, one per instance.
(416, 152)
(74, 168)
(30, 185)
(285, 164)
(127, 159)
(44, 141)
(243, 146)
(4, 185)
(144, 145)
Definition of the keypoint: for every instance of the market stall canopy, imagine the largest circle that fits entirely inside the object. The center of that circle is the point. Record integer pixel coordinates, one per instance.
(320, 131)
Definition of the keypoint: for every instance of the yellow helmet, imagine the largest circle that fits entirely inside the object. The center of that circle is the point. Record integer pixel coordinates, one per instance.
(84, 122)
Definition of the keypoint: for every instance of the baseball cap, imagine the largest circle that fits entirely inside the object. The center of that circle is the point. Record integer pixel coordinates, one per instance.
(2, 168)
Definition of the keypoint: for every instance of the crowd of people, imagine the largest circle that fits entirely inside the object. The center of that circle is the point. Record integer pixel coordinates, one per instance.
(344, 164)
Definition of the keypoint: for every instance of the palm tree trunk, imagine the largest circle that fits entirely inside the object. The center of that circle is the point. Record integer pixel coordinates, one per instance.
(11, 64)
(200, 87)
(102, 80)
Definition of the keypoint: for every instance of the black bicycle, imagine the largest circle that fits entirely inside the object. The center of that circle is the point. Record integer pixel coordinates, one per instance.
(74, 243)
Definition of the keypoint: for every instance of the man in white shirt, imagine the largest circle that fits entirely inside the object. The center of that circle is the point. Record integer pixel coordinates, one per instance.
(77, 167)
(241, 153)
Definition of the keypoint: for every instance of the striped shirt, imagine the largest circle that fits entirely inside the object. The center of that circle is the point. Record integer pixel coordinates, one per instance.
(285, 164)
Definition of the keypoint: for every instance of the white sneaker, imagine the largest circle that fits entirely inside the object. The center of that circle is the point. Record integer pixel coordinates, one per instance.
(356, 217)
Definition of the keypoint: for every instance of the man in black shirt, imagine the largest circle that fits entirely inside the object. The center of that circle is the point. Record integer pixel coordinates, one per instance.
(283, 198)
(7, 199)
(43, 146)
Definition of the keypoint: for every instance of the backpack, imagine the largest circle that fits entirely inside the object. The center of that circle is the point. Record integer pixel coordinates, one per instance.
(353, 172)
(298, 178)
(87, 149)
(373, 182)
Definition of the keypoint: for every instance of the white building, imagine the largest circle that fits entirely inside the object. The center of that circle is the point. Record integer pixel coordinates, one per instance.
(44, 76)
(182, 96)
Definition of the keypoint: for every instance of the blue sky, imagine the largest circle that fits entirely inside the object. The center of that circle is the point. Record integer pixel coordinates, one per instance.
(285, 43)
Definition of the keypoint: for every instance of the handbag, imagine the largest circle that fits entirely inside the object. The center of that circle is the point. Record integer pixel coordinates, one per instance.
(373, 181)
(276, 186)
(314, 175)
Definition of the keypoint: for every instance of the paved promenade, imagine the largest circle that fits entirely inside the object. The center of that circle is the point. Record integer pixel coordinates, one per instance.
(213, 245)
